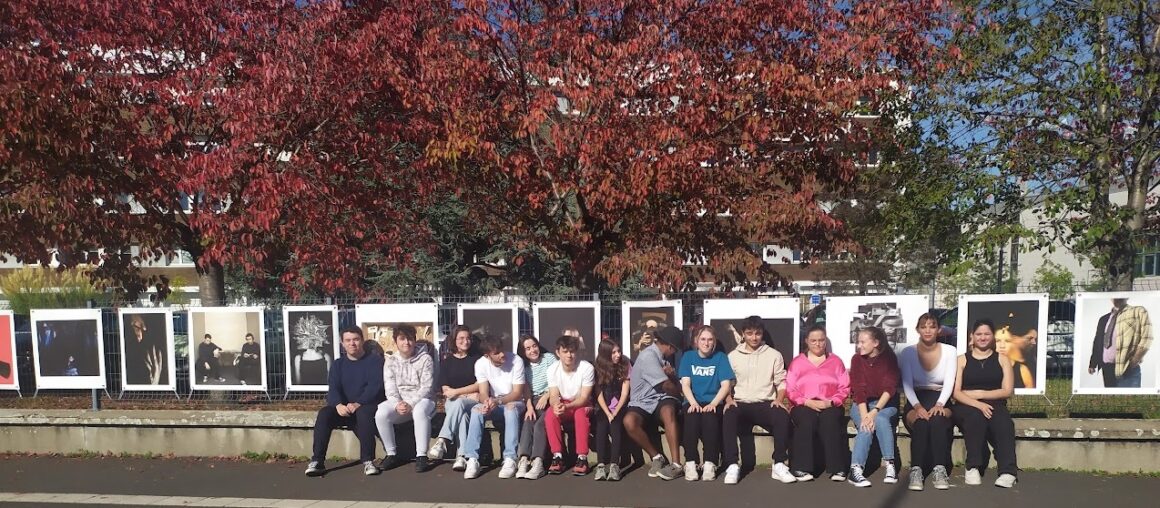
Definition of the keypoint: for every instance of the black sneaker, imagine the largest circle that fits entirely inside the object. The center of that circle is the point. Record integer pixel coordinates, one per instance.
(390, 462)
(802, 476)
(422, 464)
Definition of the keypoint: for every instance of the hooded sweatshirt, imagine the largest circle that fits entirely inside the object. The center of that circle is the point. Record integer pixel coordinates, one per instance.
(759, 373)
(409, 379)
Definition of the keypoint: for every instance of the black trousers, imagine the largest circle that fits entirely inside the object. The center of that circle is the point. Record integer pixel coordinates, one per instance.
(706, 428)
(604, 430)
(362, 423)
(739, 421)
(930, 440)
(829, 427)
(976, 428)
(214, 369)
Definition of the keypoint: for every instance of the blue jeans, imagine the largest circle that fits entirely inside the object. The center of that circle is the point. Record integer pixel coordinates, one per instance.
(883, 428)
(1130, 379)
(455, 420)
(512, 416)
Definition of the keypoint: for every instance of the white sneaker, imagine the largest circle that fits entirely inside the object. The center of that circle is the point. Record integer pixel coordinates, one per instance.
(973, 477)
(708, 472)
(536, 470)
(522, 468)
(370, 469)
(732, 474)
(438, 449)
(1006, 481)
(460, 464)
(508, 470)
(471, 470)
(691, 471)
(781, 473)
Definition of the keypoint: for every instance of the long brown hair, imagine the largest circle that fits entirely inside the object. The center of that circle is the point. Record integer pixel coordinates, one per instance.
(608, 373)
(449, 347)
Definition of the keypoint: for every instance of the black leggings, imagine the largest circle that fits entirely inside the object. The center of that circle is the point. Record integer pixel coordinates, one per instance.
(740, 421)
(829, 426)
(930, 440)
(604, 429)
(705, 427)
(976, 428)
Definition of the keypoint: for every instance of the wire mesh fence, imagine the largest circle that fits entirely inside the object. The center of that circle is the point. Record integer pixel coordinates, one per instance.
(1058, 401)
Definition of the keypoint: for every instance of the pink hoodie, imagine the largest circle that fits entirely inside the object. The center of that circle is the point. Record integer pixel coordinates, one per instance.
(828, 381)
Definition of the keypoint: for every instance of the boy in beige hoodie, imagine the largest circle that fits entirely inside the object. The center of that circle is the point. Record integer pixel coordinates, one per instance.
(758, 399)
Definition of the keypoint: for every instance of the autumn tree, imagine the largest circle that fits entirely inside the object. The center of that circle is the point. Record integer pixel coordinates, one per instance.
(1061, 102)
(629, 138)
(258, 134)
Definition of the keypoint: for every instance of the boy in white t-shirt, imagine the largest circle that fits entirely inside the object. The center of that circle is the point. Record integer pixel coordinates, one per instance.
(570, 383)
(500, 378)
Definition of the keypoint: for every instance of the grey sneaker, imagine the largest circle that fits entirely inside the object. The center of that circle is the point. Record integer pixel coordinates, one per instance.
(1006, 480)
(614, 472)
(600, 473)
(315, 468)
(671, 471)
(536, 470)
(654, 468)
(438, 449)
(460, 464)
(891, 472)
(941, 481)
(916, 478)
(370, 469)
(522, 468)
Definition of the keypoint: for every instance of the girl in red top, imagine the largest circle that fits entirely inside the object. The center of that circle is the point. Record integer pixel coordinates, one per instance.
(817, 383)
(874, 379)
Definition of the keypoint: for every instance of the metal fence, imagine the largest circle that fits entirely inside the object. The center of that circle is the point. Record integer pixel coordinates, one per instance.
(1057, 402)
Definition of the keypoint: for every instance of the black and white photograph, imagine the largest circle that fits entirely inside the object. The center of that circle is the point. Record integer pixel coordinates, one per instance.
(1020, 320)
(378, 323)
(556, 319)
(639, 320)
(226, 348)
(779, 317)
(9, 380)
(312, 344)
(1113, 353)
(147, 352)
(897, 315)
(491, 319)
(67, 348)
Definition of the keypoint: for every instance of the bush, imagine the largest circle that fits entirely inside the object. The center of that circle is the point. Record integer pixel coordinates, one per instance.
(34, 287)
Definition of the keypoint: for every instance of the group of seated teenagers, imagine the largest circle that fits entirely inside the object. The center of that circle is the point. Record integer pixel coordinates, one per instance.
(699, 397)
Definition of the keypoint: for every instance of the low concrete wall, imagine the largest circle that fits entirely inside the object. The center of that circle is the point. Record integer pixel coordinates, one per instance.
(1104, 445)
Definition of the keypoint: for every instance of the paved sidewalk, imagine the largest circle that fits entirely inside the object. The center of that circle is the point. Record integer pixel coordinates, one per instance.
(257, 483)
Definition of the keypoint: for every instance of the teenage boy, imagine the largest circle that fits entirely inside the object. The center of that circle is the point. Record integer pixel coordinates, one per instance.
(570, 382)
(654, 399)
(758, 399)
(356, 389)
(408, 376)
(500, 378)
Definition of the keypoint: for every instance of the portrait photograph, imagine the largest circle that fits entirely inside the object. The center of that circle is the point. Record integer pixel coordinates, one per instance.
(779, 317)
(312, 345)
(226, 348)
(1110, 355)
(147, 351)
(378, 323)
(897, 315)
(67, 348)
(491, 319)
(555, 319)
(1020, 329)
(9, 375)
(639, 320)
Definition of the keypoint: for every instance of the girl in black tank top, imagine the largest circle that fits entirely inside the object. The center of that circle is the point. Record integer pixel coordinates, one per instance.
(985, 374)
(985, 380)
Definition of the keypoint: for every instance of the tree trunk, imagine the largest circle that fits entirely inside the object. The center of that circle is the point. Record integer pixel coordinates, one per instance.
(211, 282)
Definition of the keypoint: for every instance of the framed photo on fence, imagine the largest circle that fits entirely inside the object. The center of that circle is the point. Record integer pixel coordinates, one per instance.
(639, 320)
(378, 322)
(1109, 356)
(227, 348)
(312, 345)
(897, 315)
(496, 319)
(147, 350)
(778, 315)
(554, 319)
(68, 349)
(9, 374)
(1020, 333)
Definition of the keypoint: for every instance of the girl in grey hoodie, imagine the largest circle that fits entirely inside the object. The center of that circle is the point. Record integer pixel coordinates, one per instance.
(408, 376)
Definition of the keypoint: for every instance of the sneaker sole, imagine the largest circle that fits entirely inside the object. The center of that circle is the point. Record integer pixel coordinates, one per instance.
(915, 488)
(865, 483)
(942, 487)
(889, 481)
(315, 474)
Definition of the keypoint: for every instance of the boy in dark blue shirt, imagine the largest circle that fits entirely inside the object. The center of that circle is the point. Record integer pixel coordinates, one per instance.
(356, 389)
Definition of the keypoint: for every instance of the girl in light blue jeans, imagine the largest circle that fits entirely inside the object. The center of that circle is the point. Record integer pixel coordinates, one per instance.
(874, 378)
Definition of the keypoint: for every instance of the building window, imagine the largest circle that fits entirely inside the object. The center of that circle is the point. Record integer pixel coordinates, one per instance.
(1148, 260)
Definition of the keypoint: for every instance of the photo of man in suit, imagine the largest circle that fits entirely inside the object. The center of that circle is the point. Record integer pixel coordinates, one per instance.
(1122, 338)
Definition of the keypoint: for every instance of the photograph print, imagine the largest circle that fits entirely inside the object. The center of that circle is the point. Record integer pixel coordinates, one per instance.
(1113, 352)
(9, 375)
(897, 315)
(67, 349)
(491, 319)
(779, 317)
(378, 323)
(312, 344)
(147, 352)
(1020, 320)
(227, 348)
(639, 320)
(555, 319)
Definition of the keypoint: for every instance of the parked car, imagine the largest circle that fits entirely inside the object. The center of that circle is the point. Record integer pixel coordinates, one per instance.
(949, 319)
(1060, 337)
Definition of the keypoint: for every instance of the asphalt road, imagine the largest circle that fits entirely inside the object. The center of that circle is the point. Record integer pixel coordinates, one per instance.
(285, 480)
